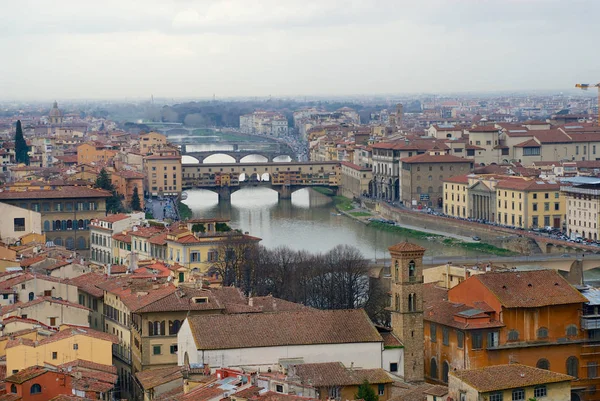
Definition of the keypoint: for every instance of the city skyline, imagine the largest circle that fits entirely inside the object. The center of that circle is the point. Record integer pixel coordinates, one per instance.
(194, 49)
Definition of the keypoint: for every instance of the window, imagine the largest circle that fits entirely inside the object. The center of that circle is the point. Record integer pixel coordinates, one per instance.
(433, 373)
(542, 332)
(381, 389)
(156, 349)
(496, 396)
(173, 349)
(19, 224)
(592, 370)
(13, 388)
(518, 395)
(411, 270)
(533, 151)
(557, 206)
(543, 364)
(492, 339)
(279, 388)
(477, 340)
(174, 327)
(571, 330)
(463, 396)
(35, 389)
(513, 335)
(75, 346)
(393, 366)
(433, 332)
(53, 323)
(540, 391)
(534, 205)
(573, 366)
(445, 371)
(546, 206)
(55, 355)
(445, 336)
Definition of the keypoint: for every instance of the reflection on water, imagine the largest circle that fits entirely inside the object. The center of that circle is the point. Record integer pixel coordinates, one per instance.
(306, 222)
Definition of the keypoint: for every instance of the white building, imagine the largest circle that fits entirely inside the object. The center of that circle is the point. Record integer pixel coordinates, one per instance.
(262, 340)
(264, 123)
(102, 230)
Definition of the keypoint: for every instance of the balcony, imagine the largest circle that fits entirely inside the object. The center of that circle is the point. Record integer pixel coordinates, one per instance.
(590, 323)
(122, 352)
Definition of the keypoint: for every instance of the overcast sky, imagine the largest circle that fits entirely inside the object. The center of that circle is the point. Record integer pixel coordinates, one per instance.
(67, 49)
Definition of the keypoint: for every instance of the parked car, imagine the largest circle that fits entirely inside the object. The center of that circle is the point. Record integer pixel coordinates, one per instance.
(476, 238)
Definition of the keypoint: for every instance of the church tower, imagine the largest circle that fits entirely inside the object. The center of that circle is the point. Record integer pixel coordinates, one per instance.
(407, 306)
(56, 116)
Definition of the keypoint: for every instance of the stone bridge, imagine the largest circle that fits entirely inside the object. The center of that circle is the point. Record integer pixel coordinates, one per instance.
(285, 178)
(238, 155)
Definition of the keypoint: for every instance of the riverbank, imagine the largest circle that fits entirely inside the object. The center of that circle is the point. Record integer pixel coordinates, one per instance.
(347, 207)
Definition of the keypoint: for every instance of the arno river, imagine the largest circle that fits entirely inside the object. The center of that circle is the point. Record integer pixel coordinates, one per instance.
(307, 221)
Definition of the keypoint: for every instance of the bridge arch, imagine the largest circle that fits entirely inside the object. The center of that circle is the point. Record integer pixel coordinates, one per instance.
(265, 177)
(215, 158)
(282, 159)
(187, 159)
(252, 158)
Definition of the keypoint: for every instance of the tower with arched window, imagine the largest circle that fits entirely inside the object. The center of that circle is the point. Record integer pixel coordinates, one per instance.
(407, 305)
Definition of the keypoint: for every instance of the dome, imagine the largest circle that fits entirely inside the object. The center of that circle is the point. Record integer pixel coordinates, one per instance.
(55, 112)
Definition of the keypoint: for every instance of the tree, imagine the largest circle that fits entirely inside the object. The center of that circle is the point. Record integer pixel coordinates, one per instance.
(113, 203)
(21, 147)
(366, 392)
(199, 228)
(135, 200)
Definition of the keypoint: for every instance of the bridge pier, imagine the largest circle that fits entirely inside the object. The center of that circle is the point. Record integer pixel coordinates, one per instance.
(285, 192)
(225, 193)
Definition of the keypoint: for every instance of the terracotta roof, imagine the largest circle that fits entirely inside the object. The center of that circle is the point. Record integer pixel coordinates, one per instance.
(160, 239)
(355, 166)
(122, 237)
(26, 374)
(113, 218)
(458, 179)
(39, 300)
(528, 185)
(31, 261)
(59, 193)
(63, 334)
(531, 143)
(282, 328)
(82, 363)
(273, 396)
(335, 374)
(529, 289)
(406, 247)
(183, 300)
(11, 397)
(429, 158)
(68, 397)
(136, 298)
(551, 136)
(89, 283)
(155, 377)
(501, 377)
(484, 128)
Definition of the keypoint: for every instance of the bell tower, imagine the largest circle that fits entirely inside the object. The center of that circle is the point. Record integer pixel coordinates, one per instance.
(407, 306)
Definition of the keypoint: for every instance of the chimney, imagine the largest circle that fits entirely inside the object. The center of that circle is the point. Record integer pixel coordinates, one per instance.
(250, 301)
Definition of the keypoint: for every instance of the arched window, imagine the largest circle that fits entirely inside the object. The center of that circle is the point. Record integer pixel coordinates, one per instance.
(35, 389)
(57, 225)
(13, 388)
(69, 224)
(430, 190)
(47, 225)
(80, 243)
(542, 332)
(543, 364)
(573, 366)
(513, 335)
(571, 330)
(31, 296)
(151, 328)
(80, 224)
(445, 371)
(412, 302)
(70, 243)
(174, 326)
(86, 223)
(58, 241)
(397, 271)
(430, 178)
(63, 224)
(411, 268)
(418, 190)
(433, 369)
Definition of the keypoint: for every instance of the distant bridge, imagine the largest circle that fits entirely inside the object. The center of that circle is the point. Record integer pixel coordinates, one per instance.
(270, 151)
(285, 178)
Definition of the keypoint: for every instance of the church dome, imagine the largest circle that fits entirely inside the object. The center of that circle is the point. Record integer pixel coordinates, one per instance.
(55, 111)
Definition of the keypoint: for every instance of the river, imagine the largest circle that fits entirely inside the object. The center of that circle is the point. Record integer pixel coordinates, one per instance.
(306, 222)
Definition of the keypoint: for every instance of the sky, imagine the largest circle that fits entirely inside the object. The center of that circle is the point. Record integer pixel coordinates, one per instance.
(83, 49)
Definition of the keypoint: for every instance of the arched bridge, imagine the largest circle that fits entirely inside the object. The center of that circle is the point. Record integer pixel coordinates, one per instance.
(285, 178)
(238, 155)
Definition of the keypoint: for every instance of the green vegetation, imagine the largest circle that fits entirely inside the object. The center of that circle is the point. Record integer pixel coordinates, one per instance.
(401, 230)
(135, 200)
(360, 214)
(113, 203)
(222, 227)
(343, 203)
(149, 216)
(185, 213)
(479, 247)
(198, 228)
(323, 191)
(21, 147)
(366, 392)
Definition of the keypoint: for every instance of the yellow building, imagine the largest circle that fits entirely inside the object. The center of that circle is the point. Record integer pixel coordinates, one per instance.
(355, 180)
(163, 174)
(95, 152)
(69, 344)
(509, 382)
(530, 203)
(152, 141)
(456, 198)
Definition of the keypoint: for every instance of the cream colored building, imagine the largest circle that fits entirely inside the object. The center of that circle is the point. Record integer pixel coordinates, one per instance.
(582, 207)
(449, 276)
(50, 311)
(355, 180)
(152, 141)
(18, 221)
(509, 382)
(163, 175)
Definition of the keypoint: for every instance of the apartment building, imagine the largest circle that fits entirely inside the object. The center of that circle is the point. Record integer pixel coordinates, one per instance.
(162, 174)
(582, 199)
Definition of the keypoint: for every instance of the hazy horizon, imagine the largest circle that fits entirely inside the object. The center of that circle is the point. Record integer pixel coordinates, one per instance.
(185, 49)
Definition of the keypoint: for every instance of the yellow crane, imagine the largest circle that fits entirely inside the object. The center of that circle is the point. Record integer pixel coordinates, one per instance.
(588, 86)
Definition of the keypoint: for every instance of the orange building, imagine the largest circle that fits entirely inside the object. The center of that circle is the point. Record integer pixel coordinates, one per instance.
(152, 141)
(94, 152)
(125, 181)
(527, 317)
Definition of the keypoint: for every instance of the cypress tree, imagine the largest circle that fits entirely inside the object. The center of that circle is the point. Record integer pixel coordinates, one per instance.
(366, 392)
(135, 200)
(113, 204)
(21, 148)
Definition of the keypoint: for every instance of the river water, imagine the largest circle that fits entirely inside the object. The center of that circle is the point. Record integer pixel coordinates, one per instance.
(308, 221)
